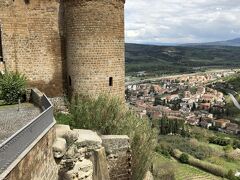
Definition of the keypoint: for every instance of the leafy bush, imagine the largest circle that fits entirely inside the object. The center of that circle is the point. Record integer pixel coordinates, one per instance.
(63, 118)
(187, 145)
(12, 87)
(220, 141)
(200, 134)
(110, 116)
(214, 169)
(203, 152)
(165, 150)
(184, 158)
(236, 144)
(228, 148)
(174, 126)
(231, 175)
(206, 166)
(164, 171)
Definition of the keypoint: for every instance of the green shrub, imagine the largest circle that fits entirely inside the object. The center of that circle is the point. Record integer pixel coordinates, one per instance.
(200, 134)
(214, 169)
(184, 158)
(220, 141)
(12, 87)
(236, 144)
(164, 149)
(231, 175)
(206, 166)
(63, 118)
(228, 148)
(110, 116)
(187, 145)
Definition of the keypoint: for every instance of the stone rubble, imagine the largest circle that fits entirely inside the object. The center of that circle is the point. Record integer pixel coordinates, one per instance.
(59, 147)
(86, 156)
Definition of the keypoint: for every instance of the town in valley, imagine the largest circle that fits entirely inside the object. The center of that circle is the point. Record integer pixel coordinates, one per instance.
(191, 98)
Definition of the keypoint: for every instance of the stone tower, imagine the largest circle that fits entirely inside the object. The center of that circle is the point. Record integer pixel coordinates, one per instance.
(95, 46)
(65, 44)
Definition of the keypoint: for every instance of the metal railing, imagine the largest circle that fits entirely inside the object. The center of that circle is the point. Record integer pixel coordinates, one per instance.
(12, 148)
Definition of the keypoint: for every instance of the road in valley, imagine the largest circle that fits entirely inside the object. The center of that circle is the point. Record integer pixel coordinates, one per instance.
(236, 103)
(174, 76)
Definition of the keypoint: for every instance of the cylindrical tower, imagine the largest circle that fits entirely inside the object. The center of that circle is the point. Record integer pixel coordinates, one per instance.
(95, 46)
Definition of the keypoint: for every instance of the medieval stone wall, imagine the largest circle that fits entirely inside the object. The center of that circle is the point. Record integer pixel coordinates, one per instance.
(46, 39)
(31, 42)
(39, 163)
(79, 155)
(119, 158)
(95, 46)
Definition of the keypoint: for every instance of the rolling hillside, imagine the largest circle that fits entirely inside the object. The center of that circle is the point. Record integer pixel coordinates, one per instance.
(179, 59)
(232, 42)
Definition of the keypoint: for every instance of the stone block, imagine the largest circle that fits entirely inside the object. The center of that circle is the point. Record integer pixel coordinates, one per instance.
(59, 147)
(115, 143)
(82, 170)
(101, 167)
(62, 130)
(148, 176)
(87, 138)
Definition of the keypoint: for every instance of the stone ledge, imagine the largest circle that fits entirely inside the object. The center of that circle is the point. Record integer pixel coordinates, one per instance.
(87, 138)
(115, 143)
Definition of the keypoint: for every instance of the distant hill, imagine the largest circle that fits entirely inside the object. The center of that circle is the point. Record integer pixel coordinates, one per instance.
(159, 60)
(232, 42)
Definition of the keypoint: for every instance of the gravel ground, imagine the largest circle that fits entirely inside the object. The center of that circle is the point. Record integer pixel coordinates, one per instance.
(11, 120)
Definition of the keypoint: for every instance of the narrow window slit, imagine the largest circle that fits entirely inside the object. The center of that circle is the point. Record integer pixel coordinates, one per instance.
(1, 50)
(69, 80)
(110, 81)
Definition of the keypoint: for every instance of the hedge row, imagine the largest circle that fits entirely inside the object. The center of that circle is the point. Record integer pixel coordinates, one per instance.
(206, 166)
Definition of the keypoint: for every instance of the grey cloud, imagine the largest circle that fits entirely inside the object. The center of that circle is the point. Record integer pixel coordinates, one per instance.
(182, 21)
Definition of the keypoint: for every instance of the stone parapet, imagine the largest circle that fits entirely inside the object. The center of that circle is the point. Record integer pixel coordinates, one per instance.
(38, 163)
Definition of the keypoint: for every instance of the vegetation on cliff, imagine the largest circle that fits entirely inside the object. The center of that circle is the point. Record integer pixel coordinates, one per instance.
(109, 116)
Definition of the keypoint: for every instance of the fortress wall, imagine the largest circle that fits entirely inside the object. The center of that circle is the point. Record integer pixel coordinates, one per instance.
(119, 157)
(39, 163)
(95, 46)
(32, 43)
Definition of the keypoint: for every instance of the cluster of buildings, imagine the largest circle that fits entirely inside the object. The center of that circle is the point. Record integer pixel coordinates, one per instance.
(182, 98)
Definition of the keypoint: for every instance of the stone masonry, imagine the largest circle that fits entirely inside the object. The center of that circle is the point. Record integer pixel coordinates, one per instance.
(31, 42)
(95, 46)
(39, 163)
(118, 156)
(60, 45)
(83, 155)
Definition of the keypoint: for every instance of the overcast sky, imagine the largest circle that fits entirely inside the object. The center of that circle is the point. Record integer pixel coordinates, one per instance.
(181, 21)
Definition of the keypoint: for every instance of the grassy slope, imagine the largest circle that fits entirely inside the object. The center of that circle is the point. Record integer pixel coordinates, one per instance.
(183, 171)
(221, 161)
(217, 155)
(229, 165)
(167, 59)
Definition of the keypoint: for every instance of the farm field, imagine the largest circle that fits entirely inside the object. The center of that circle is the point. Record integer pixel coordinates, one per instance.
(181, 171)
